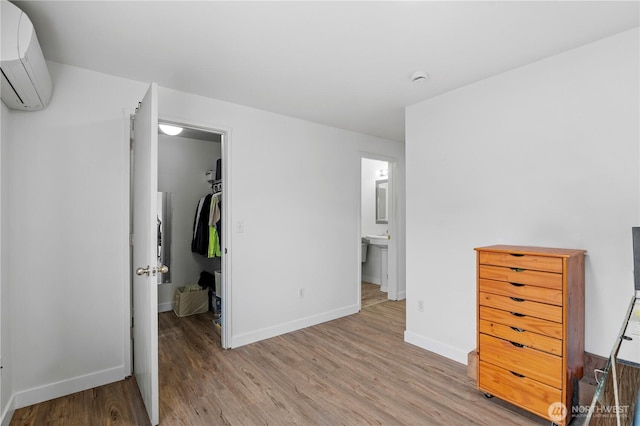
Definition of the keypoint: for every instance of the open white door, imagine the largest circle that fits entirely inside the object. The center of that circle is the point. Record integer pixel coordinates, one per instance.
(145, 262)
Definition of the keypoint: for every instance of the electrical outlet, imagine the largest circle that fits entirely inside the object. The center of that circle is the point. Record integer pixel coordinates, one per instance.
(300, 293)
(420, 305)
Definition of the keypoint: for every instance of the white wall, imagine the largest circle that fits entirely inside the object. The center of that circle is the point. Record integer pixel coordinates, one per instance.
(68, 206)
(370, 169)
(6, 374)
(182, 164)
(544, 155)
(296, 190)
(295, 187)
(399, 186)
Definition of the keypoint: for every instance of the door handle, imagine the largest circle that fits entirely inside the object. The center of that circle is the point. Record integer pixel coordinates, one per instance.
(143, 271)
(161, 269)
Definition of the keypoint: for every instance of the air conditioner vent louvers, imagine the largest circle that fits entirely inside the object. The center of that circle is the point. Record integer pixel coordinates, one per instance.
(26, 83)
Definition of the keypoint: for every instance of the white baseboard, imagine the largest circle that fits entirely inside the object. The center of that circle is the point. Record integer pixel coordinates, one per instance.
(437, 347)
(7, 413)
(371, 279)
(402, 295)
(67, 387)
(277, 330)
(166, 307)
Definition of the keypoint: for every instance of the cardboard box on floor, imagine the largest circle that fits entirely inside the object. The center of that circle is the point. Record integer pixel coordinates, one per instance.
(190, 302)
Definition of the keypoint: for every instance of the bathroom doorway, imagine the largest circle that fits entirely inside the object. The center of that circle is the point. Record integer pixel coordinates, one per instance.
(378, 247)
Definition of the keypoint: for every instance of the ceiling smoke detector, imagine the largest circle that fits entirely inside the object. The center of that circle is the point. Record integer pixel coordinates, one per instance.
(419, 76)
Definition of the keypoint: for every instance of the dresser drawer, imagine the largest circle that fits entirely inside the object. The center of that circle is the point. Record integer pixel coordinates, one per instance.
(522, 391)
(535, 325)
(531, 363)
(530, 329)
(523, 291)
(521, 276)
(522, 307)
(524, 261)
(522, 336)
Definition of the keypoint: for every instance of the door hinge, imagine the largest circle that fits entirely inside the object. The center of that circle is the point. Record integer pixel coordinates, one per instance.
(131, 240)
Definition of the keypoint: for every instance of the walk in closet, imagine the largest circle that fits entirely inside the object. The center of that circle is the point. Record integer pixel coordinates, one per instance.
(189, 222)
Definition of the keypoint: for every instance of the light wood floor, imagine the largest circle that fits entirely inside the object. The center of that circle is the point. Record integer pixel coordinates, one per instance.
(355, 370)
(117, 403)
(371, 294)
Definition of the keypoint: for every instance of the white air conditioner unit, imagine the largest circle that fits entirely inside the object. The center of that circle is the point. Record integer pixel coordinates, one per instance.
(26, 83)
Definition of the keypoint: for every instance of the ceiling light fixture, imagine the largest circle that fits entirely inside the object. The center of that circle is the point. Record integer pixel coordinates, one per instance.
(419, 76)
(170, 130)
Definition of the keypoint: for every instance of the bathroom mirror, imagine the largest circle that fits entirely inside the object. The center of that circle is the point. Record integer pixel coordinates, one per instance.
(382, 203)
(164, 235)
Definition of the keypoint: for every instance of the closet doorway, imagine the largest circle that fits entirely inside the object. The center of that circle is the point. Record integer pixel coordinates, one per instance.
(191, 179)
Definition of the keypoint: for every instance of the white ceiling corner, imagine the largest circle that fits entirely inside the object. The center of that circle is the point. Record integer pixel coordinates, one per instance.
(344, 64)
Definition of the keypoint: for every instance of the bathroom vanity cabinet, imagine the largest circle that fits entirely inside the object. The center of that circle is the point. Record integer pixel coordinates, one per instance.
(530, 327)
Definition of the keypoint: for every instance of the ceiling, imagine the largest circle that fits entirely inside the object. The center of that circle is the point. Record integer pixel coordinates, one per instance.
(344, 64)
(191, 133)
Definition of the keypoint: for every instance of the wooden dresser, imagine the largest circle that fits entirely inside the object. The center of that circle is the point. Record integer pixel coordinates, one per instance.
(530, 344)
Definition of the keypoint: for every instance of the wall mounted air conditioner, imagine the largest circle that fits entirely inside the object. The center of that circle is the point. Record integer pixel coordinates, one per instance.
(26, 83)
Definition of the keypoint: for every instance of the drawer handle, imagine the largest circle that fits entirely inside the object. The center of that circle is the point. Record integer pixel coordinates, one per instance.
(516, 374)
(517, 345)
(516, 299)
(517, 314)
(517, 269)
(517, 284)
(516, 254)
(519, 330)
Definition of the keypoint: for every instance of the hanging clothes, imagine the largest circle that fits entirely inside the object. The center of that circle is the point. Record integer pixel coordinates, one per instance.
(218, 223)
(207, 221)
(214, 218)
(197, 218)
(214, 214)
(214, 243)
(200, 241)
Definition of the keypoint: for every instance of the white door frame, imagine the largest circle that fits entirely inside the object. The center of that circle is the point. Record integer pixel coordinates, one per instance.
(227, 235)
(392, 284)
(226, 318)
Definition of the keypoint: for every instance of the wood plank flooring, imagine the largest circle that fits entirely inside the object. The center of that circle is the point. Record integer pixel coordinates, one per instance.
(370, 294)
(628, 378)
(117, 403)
(355, 370)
